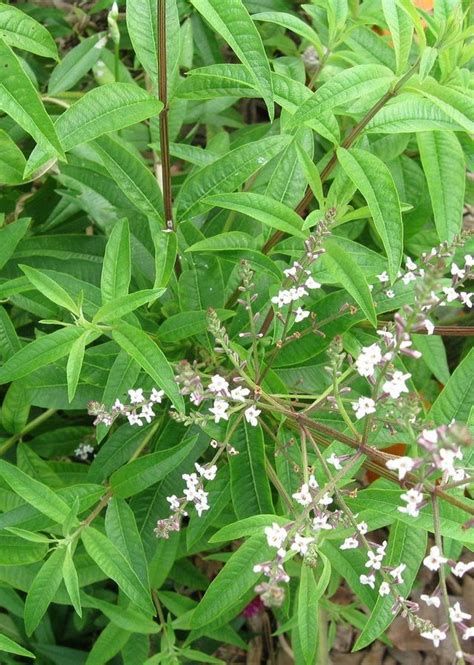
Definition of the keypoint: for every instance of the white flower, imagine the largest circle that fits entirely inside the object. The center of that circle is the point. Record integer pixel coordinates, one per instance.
(368, 580)
(431, 600)
(333, 459)
(396, 385)
(429, 436)
(134, 419)
(156, 396)
(291, 272)
(83, 451)
(466, 299)
(251, 414)
(461, 568)
(219, 410)
(207, 473)
(219, 385)
(363, 407)
(447, 461)
(239, 393)
(436, 636)
(362, 528)
(451, 293)
(276, 535)
(457, 615)
(118, 406)
(300, 544)
(384, 589)
(408, 277)
(301, 314)
(410, 264)
(325, 500)
(374, 560)
(468, 633)
(413, 498)
(456, 271)
(401, 464)
(200, 502)
(320, 522)
(312, 482)
(383, 277)
(390, 293)
(312, 283)
(368, 359)
(429, 326)
(191, 480)
(396, 573)
(468, 260)
(280, 298)
(173, 501)
(147, 412)
(435, 559)
(381, 548)
(136, 396)
(349, 544)
(303, 497)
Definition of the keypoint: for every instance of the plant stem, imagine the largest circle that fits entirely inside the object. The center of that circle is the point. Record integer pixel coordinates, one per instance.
(30, 426)
(163, 97)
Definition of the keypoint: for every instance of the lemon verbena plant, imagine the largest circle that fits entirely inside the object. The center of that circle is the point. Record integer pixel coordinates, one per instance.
(236, 329)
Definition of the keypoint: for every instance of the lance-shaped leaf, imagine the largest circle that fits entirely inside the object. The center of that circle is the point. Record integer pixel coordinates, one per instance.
(187, 324)
(127, 618)
(77, 62)
(109, 559)
(294, 24)
(13, 161)
(20, 30)
(75, 360)
(266, 210)
(373, 179)
(50, 288)
(121, 529)
(401, 31)
(116, 269)
(443, 163)
(20, 100)
(346, 271)
(453, 102)
(8, 645)
(455, 401)
(148, 355)
(40, 352)
(309, 592)
(232, 21)
(71, 581)
(43, 589)
(226, 174)
(118, 308)
(10, 236)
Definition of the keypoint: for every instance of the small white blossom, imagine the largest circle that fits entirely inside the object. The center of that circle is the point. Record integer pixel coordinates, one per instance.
(334, 460)
(457, 615)
(466, 298)
(300, 544)
(147, 412)
(301, 314)
(401, 464)
(134, 419)
(349, 544)
(312, 482)
(251, 414)
(239, 393)
(468, 633)
(173, 501)
(396, 385)
(436, 636)
(396, 573)
(219, 410)
(291, 272)
(368, 580)
(374, 560)
(461, 568)
(362, 528)
(219, 385)
(325, 500)
(83, 451)
(312, 283)
(303, 497)
(468, 261)
(369, 357)
(413, 499)
(408, 277)
(434, 601)
(451, 293)
(136, 396)
(320, 522)
(383, 277)
(384, 589)
(429, 326)
(207, 473)
(458, 272)
(435, 559)
(390, 293)
(363, 407)
(156, 396)
(276, 535)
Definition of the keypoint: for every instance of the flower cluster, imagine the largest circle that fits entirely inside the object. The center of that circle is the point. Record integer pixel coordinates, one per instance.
(138, 411)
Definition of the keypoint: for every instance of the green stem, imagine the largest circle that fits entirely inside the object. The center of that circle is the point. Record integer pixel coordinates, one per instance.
(26, 430)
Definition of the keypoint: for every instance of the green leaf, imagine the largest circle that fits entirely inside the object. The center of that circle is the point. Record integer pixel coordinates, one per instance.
(42, 351)
(148, 355)
(10, 236)
(266, 210)
(225, 174)
(28, 535)
(350, 276)
(401, 32)
(166, 250)
(71, 581)
(20, 30)
(122, 531)
(15, 407)
(50, 288)
(312, 175)
(452, 101)
(13, 161)
(434, 354)
(406, 545)
(201, 657)
(149, 469)
(293, 23)
(187, 324)
(232, 582)
(412, 12)
(127, 618)
(43, 589)
(75, 360)
(109, 643)
(309, 593)
(132, 176)
(35, 493)
(8, 645)
(77, 62)
(116, 268)
(443, 163)
(372, 177)
(20, 100)
(410, 113)
(123, 305)
(232, 21)
(250, 488)
(17, 551)
(112, 562)
(347, 86)
(249, 526)
(456, 399)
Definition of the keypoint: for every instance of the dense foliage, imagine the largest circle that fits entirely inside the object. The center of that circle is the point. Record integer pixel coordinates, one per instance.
(235, 327)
